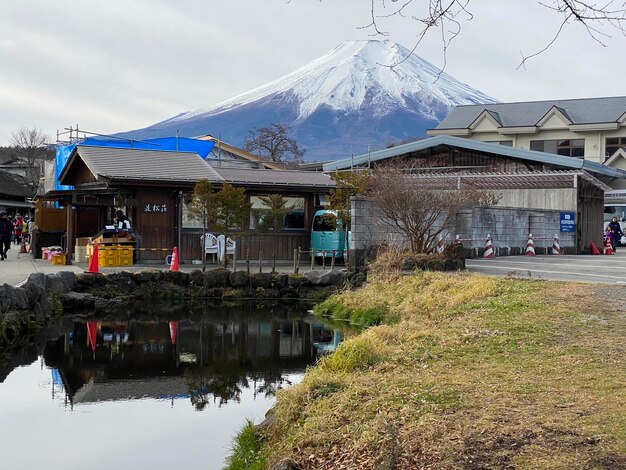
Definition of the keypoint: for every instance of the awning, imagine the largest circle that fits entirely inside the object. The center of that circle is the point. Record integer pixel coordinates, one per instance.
(12, 203)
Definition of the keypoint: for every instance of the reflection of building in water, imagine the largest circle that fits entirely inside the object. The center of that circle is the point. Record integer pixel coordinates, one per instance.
(100, 361)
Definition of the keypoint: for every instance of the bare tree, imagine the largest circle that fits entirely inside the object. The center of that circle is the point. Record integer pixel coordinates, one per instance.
(406, 202)
(444, 17)
(31, 150)
(274, 144)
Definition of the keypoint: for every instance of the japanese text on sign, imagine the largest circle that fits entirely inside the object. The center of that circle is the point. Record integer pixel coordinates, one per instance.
(568, 222)
(161, 208)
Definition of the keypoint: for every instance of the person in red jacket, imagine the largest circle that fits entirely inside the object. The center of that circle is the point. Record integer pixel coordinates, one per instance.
(17, 229)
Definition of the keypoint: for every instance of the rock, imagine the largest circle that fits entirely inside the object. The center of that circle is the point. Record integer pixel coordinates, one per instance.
(287, 464)
(69, 280)
(196, 277)
(176, 277)
(77, 301)
(18, 297)
(146, 276)
(358, 279)
(54, 283)
(212, 293)
(263, 280)
(219, 277)
(297, 280)
(324, 278)
(37, 279)
(239, 279)
(281, 280)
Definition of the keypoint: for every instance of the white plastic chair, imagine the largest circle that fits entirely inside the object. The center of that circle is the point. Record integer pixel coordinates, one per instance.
(210, 244)
(225, 248)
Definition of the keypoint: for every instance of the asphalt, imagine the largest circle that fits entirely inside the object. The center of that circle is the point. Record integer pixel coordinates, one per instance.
(581, 268)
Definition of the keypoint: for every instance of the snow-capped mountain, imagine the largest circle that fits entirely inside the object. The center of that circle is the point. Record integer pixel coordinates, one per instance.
(360, 94)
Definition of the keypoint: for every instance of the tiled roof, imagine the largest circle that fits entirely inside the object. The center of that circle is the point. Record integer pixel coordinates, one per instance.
(558, 161)
(275, 177)
(145, 165)
(11, 185)
(524, 114)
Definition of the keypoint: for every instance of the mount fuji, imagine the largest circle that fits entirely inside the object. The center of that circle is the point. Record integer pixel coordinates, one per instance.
(343, 103)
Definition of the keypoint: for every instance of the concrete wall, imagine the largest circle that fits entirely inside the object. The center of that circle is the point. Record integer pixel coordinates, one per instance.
(509, 228)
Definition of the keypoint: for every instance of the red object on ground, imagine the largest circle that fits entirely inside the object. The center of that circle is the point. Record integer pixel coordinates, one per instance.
(92, 330)
(174, 263)
(608, 249)
(93, 261)
(594, 249)
(23, 246)
(173, 331)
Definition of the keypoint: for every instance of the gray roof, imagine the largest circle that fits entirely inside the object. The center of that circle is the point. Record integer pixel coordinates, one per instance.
(292, 178)
(145, 165)
(12, 185)
(116, 164)
(523, 114)
(485, 147)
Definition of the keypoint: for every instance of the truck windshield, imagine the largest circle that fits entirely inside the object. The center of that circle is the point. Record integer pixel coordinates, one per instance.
(324, 223)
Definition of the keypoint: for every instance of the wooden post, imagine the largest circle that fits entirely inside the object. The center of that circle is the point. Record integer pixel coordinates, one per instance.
(248, 261)
(260, 261)
(332, 261)
(312, 260)
(235, 260)
(295, 260)
(273, 261)
(323, 261)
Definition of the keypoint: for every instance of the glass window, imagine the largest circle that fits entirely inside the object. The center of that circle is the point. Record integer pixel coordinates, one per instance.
(567, 147)
(613, 145)
(324, 223)
(293, 220)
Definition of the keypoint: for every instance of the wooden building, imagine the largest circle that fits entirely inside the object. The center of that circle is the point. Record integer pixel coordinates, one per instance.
(154, 187)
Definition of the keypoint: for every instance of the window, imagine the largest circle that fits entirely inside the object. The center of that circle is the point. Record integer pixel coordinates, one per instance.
(293, 219)
(505, 143)
(613, 145)
(566, 147)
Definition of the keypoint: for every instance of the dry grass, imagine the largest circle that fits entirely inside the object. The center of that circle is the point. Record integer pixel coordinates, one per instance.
(476, 373)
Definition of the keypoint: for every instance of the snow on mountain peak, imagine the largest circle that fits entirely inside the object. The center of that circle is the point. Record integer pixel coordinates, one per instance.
(354, 72)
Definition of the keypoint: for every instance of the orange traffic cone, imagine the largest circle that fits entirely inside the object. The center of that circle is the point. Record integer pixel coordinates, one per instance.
(556, 248)
(489, 253)
(530, 246)
(608, 249)
(594, 249)
(174, 263)
(93, 261)
(23, 247)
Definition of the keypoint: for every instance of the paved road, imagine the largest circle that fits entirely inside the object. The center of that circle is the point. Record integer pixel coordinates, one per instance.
(583, 268)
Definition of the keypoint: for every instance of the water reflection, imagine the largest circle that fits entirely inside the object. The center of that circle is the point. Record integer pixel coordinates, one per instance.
(135, 387)
(205, 361)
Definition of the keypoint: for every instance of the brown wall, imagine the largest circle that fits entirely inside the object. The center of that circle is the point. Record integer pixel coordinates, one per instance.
(156, 228)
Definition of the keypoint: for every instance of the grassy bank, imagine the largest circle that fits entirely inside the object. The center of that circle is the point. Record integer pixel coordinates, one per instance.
(465, 371)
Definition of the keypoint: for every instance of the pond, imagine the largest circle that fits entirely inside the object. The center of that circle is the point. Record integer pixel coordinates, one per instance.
(149, 393)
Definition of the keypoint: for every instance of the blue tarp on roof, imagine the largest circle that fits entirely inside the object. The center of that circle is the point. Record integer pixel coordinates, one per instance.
(177, 144)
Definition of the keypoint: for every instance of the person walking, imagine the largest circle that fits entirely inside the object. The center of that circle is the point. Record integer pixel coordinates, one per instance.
(616, 233)
(6, 231)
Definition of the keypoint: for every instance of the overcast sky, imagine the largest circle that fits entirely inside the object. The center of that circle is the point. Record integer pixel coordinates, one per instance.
(117, 65)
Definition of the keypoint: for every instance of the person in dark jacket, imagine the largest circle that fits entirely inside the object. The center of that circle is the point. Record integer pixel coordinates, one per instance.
(6, 231)
(616, 232)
